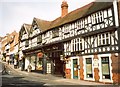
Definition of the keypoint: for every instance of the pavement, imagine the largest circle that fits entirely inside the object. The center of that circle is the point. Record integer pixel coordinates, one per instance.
(57, 79)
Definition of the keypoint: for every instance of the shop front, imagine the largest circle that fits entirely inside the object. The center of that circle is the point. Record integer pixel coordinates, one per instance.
(72, 67)
(53, 53)
(32, 59)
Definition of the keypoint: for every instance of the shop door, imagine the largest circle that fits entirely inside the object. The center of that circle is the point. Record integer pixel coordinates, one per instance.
(48, 68)
(75, 69)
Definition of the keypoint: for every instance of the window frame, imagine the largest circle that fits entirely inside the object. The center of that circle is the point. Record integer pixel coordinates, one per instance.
(39, 39)
(104, 39)
(27, 43)
(55, 33)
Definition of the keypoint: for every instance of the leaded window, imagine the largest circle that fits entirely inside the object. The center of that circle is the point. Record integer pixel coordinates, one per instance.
(104, 39)
(27, 43)
(77, 44)
(55, 33)
(39, 39)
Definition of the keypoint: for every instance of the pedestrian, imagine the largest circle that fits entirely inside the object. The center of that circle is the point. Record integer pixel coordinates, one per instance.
(8, 62)
(4, 69)
(15, 63)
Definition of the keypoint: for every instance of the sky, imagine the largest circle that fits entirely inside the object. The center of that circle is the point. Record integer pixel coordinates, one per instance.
(14, 13)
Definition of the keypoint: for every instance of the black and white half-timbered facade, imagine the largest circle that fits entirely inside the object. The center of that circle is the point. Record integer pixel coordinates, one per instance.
(23, 44)
(93, 48)
(83, 44)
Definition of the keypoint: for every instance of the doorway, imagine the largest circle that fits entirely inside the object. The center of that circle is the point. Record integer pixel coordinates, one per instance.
(75, 68)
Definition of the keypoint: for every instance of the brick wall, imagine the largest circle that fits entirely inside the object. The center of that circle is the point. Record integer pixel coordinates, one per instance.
(115, 68)
(68, 73)
(81, 69)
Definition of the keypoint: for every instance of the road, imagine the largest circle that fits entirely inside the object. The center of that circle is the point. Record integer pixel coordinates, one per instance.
(11, 78)
(15, 78)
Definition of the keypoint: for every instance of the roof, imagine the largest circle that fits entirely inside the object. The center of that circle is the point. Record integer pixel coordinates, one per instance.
(27, 27)
(42, 24)
(80, 13)
(72, 16)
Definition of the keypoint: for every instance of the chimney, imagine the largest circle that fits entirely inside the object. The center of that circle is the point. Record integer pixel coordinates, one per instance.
(64, 8)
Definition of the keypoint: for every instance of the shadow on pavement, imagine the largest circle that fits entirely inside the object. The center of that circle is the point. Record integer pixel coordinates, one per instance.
(9, 81)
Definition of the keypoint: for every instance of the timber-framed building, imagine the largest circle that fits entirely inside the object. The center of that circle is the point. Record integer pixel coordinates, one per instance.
(83, 44)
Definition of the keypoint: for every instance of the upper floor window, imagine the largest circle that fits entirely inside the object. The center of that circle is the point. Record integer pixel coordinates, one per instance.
(27, 43)
(39, 39)
(55, 33)
(77, 44)
(104, 39)
(97, 17)
(66, 29)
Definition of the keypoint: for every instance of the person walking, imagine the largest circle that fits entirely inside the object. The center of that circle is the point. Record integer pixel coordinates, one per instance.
(4, 69)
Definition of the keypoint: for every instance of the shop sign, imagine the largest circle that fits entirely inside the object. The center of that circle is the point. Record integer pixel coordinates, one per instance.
(40, 54)
(96, 63)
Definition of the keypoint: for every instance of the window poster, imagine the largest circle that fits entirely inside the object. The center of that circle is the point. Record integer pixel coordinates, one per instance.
(89, 68)
(105, 69)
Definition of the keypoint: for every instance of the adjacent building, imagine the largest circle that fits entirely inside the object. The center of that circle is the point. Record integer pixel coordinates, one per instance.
(9, 46)
(83, 44)
(1, 48)
(23, 44)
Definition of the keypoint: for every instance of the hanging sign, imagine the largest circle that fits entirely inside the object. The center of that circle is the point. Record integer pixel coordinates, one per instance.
(40, 54)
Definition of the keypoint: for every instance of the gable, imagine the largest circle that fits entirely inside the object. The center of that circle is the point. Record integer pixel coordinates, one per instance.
(22, 32)
(34, 27)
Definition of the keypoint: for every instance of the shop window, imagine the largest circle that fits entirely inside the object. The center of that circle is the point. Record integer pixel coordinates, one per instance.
(89, 73)
(105, 68)
(39, 64)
